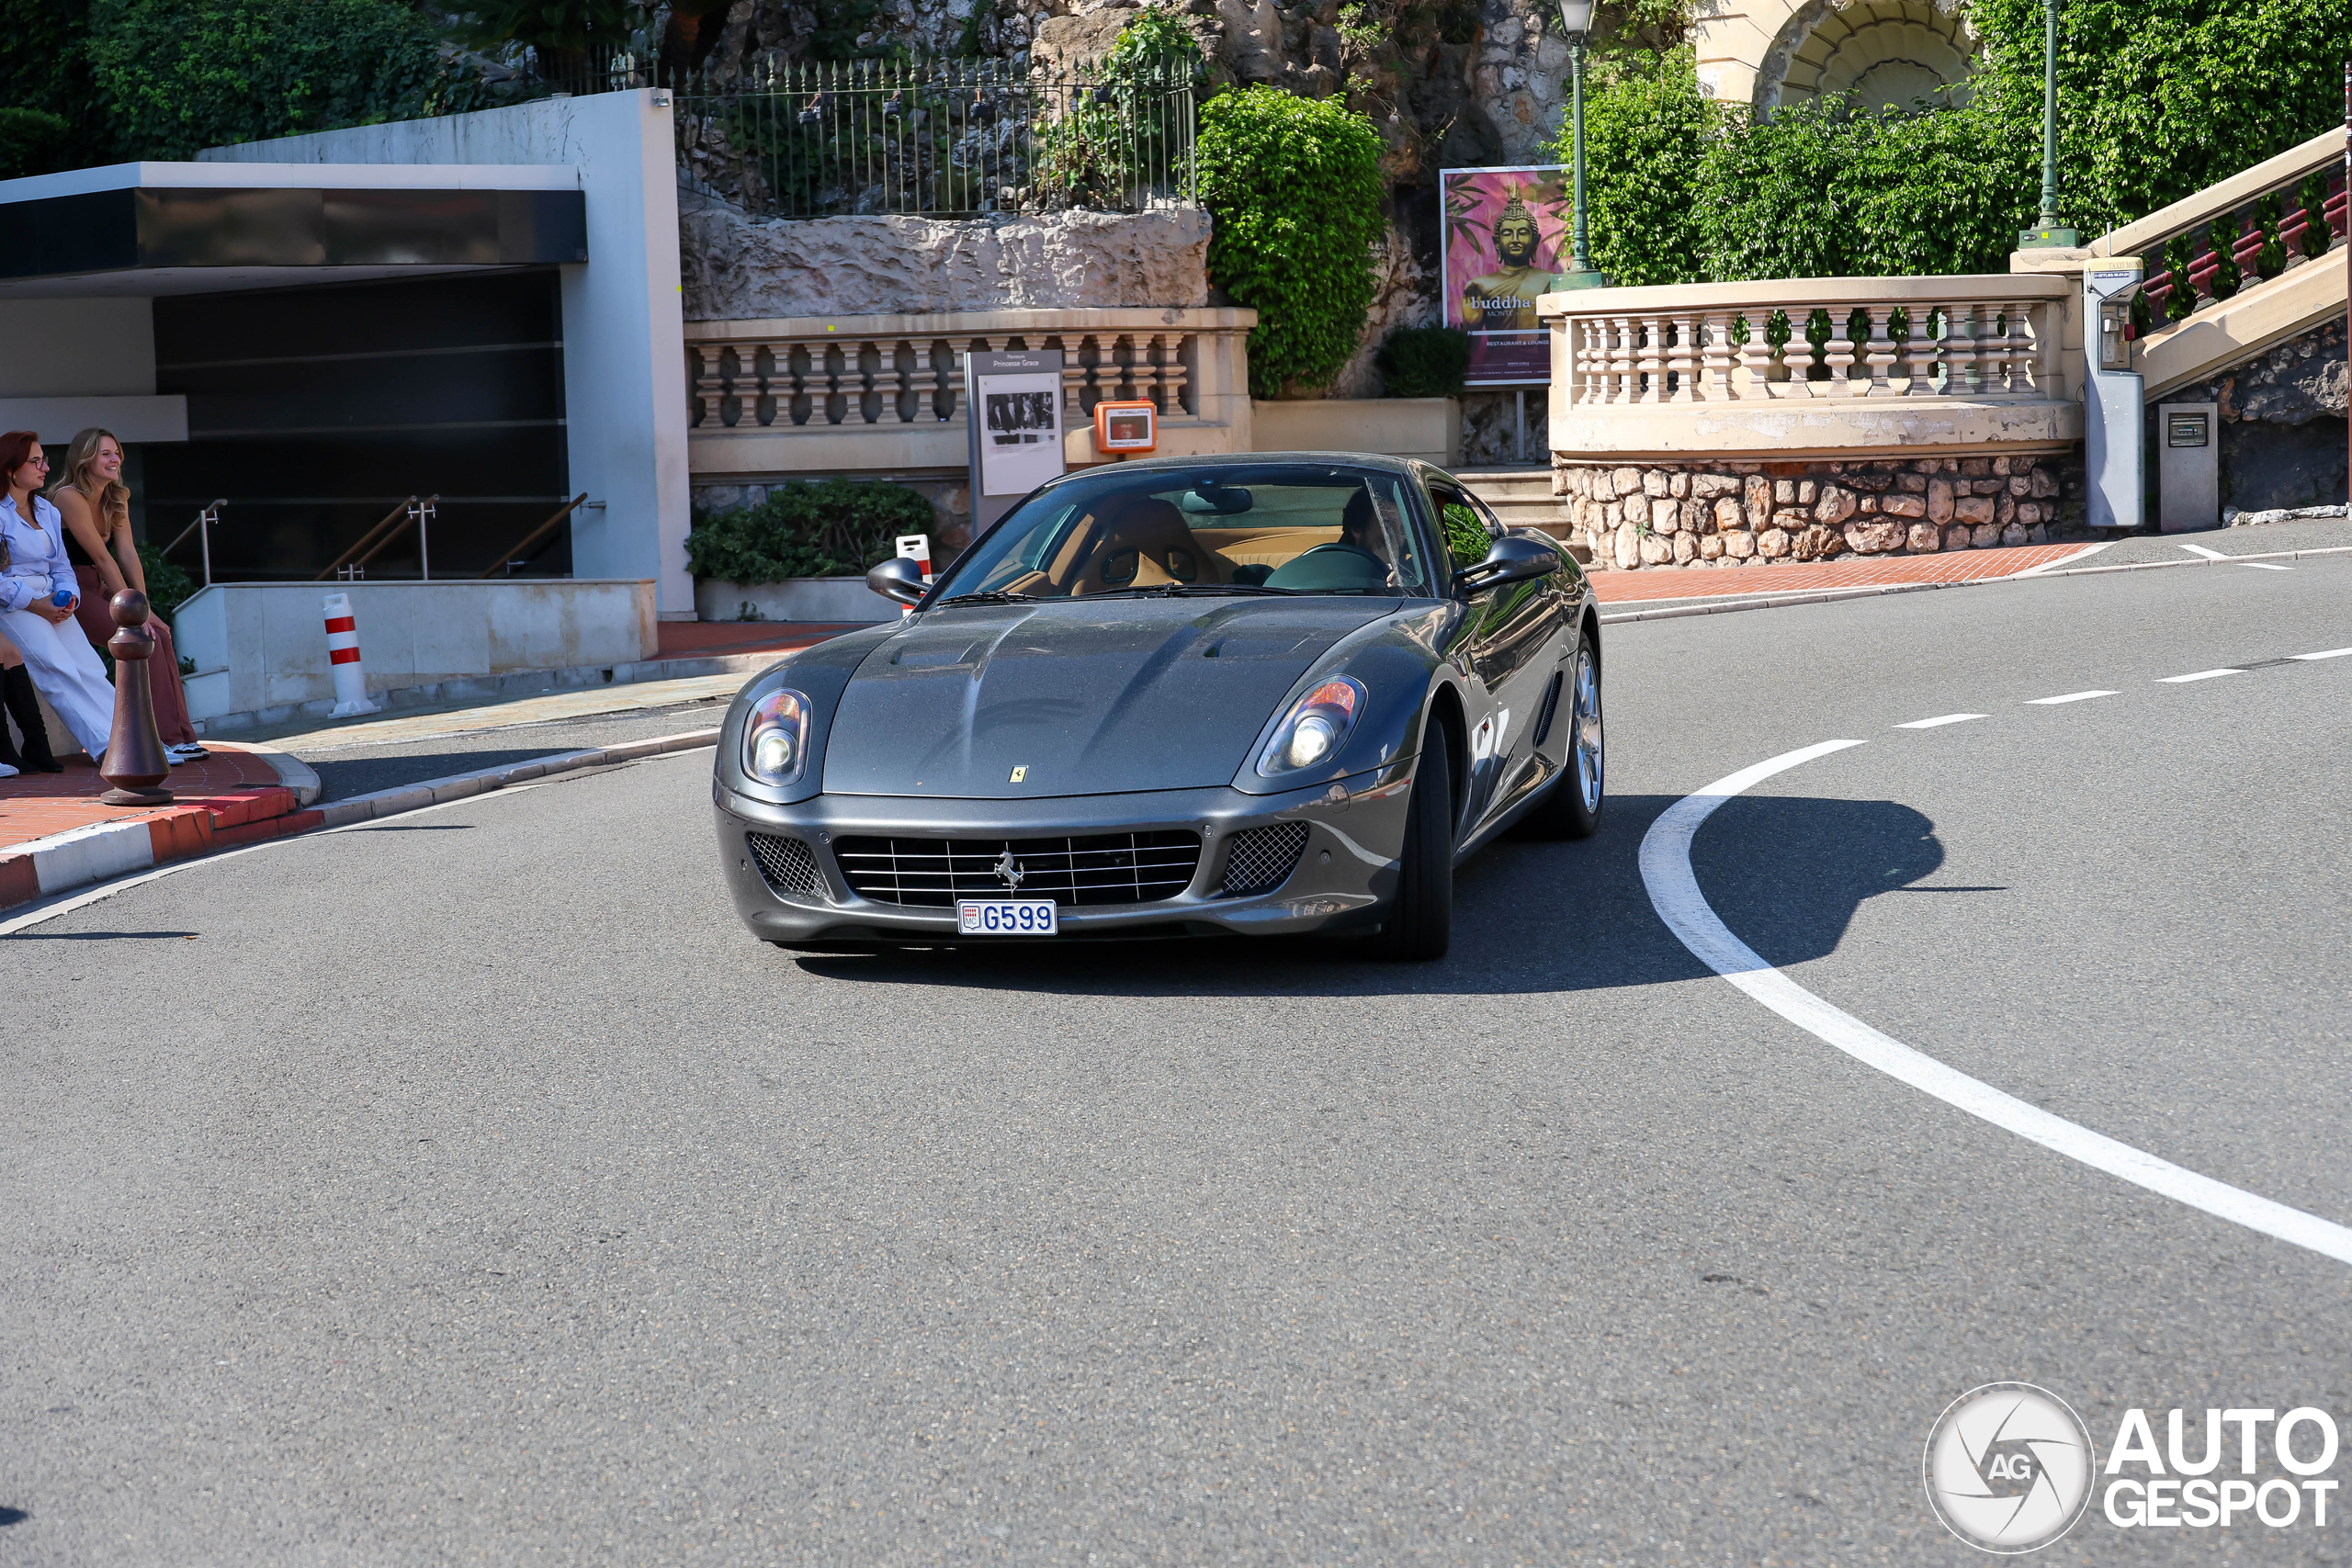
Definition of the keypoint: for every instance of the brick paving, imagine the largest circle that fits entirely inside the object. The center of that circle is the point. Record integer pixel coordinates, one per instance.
(1710, 582)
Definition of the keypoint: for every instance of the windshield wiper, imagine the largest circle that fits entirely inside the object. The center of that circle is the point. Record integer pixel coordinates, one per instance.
(1172, 589)
(989, 596)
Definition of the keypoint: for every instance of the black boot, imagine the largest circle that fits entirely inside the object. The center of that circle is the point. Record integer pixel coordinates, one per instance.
(16, 691)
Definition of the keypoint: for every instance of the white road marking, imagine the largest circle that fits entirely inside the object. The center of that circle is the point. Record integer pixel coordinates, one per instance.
(2069, 697)
(2330, 653)
(2068, 562)
(2200, 675)
(2217, 554)
(1935, 723)
(1674, 892)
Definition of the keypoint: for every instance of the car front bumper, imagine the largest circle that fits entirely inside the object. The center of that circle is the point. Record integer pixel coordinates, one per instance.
(1347, 869)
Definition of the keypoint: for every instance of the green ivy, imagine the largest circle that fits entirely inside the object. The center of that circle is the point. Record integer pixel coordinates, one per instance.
(1293, 185)
(1423, 362)
(831, 528)
(179, 75)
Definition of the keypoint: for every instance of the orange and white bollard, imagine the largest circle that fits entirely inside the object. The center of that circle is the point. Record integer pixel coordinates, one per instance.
(343, 655)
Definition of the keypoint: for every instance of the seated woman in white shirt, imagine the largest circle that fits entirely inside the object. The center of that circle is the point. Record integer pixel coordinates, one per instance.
(38, 595)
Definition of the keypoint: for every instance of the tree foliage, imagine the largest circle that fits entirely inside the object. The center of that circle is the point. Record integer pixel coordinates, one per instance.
(832, 528)
(1293, 185)
(178, 76)
(2157, 99)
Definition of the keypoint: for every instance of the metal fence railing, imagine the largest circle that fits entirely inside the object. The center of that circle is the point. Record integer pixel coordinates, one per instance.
(948, 138)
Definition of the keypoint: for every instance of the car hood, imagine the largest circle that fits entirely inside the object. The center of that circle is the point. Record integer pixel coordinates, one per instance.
(1079, 696)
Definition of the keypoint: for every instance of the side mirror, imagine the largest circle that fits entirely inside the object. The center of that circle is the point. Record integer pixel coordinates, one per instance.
(898, 579)
(1515, 557)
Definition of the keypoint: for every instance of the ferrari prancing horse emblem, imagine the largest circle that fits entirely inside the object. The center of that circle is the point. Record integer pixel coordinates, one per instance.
(1008, 870)
(1021, 773)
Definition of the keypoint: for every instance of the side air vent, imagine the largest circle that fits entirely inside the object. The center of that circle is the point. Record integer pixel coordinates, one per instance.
(1262, 859)
(1551, 706)
(787, 866)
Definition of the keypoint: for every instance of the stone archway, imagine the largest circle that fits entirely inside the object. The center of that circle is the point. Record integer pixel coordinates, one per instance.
(1767, 52)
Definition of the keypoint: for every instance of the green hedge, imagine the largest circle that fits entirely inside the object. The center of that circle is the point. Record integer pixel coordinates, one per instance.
(832, 528)
(1293, 185)
(2157, 99)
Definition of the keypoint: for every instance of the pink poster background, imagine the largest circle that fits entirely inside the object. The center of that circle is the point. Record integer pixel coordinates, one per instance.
(1475, 201)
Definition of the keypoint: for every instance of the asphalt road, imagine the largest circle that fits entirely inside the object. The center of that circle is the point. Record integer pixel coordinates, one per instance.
(470, 1187)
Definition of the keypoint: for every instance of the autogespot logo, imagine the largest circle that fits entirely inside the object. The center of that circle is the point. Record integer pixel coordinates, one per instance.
(2008, 1467)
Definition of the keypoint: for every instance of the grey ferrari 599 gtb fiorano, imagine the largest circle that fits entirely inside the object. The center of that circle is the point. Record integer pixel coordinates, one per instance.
(1268, 694)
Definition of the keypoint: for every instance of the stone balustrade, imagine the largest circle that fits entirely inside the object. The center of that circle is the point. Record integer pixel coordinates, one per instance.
(866, 393)
(1823, 365)
(1802, 418)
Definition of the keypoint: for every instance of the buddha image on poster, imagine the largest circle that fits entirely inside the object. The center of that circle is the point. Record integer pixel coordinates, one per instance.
(1506, 239)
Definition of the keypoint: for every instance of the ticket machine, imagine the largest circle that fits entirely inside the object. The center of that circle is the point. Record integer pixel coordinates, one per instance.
(2114, 431)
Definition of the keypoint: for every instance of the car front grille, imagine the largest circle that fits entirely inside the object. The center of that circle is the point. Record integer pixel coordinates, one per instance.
(786, 865)
(1262, 859)
(1100, 868)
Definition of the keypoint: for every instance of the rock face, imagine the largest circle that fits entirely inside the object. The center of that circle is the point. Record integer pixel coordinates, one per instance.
(736, 269)
(2282, 423)
(1735, 513)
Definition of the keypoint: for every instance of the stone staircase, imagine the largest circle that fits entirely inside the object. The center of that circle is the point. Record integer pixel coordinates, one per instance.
(1522, 495)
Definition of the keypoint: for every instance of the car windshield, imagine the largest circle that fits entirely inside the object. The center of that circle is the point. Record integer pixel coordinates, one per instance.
(1279, 528)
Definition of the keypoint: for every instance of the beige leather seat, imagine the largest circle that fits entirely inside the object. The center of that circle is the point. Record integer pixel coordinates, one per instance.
(1142, 542)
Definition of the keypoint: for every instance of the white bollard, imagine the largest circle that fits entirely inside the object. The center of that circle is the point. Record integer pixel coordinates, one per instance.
(915, 547)
(342, 654)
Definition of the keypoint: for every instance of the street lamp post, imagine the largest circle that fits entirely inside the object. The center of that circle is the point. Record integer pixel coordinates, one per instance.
(2047, 231)
(1575, 15)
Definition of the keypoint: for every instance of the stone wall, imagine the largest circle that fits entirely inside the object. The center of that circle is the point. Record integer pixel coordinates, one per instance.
(1728, 514)
(2282, 418)
(734, 268)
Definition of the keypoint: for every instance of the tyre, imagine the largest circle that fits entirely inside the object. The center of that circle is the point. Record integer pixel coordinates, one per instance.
(1419, 925)
(1571, 805)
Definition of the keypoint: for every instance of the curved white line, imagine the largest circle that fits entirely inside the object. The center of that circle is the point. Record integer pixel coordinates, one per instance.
(1674, 892)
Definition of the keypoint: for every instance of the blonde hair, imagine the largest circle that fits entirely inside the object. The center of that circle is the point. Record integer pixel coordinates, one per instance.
(112, 499)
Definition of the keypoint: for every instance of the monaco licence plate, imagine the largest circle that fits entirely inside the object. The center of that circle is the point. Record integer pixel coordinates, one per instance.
(1006, 917)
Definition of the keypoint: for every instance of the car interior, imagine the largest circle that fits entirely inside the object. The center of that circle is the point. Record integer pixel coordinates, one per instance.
(1333, 537)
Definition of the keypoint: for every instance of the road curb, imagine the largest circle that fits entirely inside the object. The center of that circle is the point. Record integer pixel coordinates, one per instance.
(64, 863)
(1830, 595)
(99, 851)
(459, 786)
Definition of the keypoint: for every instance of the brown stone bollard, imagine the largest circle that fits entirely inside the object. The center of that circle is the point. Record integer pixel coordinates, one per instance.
(135, 762)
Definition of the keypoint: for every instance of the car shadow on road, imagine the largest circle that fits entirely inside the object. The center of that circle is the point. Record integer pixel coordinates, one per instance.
(1787, 873)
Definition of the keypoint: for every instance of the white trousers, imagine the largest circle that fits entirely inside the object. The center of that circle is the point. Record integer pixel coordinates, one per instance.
(67, 671)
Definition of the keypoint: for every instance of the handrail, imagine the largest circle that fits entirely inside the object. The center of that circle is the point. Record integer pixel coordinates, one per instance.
(415, 511)
(522, 550)
(202, 517)
(365, 539)
(2321, 152)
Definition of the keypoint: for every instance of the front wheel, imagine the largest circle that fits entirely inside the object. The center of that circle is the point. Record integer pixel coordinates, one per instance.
(1419, 924)
(1571, 807)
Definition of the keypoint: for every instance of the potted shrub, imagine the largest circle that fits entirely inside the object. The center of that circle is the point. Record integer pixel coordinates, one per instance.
(800, 554)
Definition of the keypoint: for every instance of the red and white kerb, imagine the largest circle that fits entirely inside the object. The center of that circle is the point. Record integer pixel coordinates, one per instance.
(343, 659)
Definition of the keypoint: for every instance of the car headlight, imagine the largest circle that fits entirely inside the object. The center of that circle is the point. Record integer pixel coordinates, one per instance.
(1315, 728)
(776, 738)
